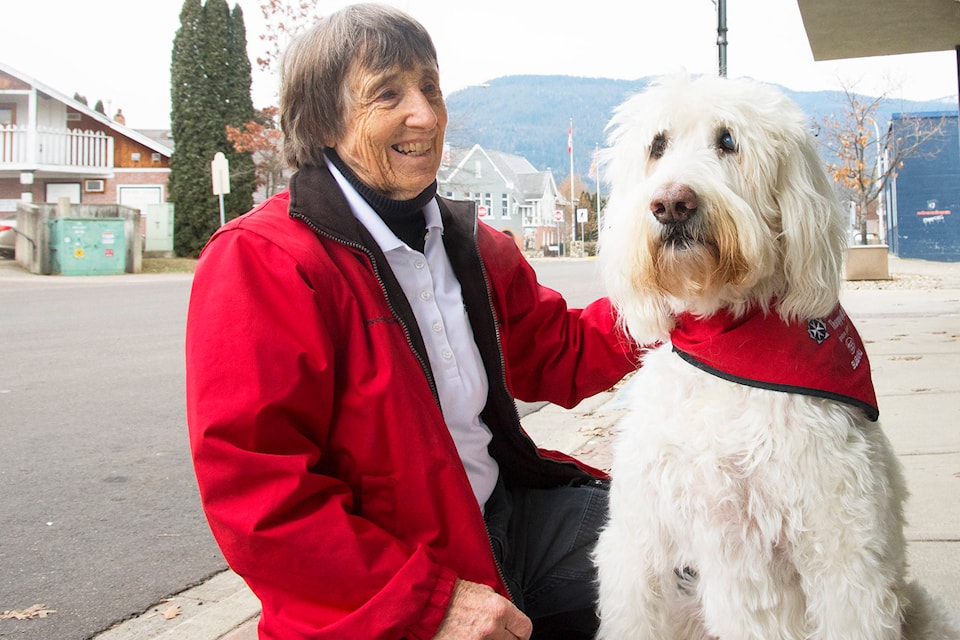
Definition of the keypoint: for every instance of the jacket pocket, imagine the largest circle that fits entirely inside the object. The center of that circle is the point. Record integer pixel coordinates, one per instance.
(378, 501)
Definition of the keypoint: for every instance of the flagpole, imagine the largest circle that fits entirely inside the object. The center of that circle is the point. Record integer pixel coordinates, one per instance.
(596, 164)
(573, 205)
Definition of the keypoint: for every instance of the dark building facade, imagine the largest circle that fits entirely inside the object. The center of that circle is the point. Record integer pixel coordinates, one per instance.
(924, 215)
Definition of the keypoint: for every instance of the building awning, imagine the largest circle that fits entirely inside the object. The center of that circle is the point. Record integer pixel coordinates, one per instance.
(838, 29)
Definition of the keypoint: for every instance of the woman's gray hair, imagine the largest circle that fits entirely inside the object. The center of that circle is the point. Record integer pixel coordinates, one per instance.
(315, 76)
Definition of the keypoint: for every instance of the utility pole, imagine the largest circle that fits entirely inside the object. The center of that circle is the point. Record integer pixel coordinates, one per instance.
(722, 36)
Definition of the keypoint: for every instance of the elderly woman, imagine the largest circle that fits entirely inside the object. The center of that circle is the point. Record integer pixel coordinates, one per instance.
(354, 348)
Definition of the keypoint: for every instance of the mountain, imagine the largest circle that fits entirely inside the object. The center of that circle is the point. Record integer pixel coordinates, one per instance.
(529, 115)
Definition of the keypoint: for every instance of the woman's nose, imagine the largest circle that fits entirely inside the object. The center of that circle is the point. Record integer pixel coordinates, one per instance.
(421, 111)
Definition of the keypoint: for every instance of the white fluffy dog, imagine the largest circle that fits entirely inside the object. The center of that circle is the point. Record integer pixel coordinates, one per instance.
(754, 496)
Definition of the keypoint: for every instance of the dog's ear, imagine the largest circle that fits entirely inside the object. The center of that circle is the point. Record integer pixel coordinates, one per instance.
(813, 234)
(626, 264)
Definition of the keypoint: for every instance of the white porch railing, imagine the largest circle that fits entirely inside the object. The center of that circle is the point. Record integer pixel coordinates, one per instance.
(66, 148)
(13, 144)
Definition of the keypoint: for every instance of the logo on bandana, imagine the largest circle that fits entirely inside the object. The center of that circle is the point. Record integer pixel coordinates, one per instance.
(817, 330)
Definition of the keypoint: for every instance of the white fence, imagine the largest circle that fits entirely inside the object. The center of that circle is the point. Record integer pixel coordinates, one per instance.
(55, 147)
(13, 144)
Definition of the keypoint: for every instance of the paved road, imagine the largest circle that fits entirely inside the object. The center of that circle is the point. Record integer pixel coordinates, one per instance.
(99, 515)
(98, 509)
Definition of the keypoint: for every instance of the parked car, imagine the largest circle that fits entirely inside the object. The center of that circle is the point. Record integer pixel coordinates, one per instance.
(8, 235)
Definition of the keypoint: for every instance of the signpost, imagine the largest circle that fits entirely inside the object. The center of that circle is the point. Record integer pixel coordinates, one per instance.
(558, 217)
(582, 218)
(220, 173)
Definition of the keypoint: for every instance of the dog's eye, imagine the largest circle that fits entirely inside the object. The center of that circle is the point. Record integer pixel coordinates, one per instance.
(659, 146)
(726, 143)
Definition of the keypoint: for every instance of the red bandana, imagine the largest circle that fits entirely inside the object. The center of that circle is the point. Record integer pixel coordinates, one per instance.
(823, 357)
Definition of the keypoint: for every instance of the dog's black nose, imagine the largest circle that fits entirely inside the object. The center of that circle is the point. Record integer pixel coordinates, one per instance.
(674, 203)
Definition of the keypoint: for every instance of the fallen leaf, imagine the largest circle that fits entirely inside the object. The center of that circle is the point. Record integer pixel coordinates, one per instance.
(171, 612)
(36, 611)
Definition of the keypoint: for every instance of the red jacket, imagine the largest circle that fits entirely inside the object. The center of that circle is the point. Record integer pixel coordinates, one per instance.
(327, 473)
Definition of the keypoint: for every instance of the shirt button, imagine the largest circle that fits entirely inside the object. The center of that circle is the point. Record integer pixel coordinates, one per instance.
(425, 295)
(419, 264)
(447, 354)
(437, 327)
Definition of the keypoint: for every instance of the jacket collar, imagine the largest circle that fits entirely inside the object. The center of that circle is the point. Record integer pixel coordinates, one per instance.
(316, 197)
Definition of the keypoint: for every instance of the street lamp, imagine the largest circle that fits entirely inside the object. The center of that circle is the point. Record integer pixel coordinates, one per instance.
(881, 208)
(722, 36)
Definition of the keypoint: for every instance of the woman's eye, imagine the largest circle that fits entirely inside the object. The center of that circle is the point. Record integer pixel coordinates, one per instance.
(726, 143)
(431, 90)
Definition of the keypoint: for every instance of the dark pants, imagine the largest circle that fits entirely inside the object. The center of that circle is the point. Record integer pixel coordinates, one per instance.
(542, 539)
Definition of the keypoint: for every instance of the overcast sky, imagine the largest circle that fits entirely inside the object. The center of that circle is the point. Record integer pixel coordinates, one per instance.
(118, 51)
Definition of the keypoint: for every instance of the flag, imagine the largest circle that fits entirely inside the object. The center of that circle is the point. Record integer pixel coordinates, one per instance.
(570, 138)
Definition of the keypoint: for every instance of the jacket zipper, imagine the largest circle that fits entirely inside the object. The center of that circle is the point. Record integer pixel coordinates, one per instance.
(503, 385)
(426, 370)
(503, 364)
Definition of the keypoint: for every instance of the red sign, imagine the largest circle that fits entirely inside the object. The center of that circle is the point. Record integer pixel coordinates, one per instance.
(558, 215)
(481, 211)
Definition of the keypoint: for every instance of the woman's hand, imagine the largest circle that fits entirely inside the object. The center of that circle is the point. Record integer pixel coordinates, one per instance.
(477, 612)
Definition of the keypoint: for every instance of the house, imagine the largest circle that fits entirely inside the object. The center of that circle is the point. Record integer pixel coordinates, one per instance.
(923, 218)
(53, 147)
(510, 193)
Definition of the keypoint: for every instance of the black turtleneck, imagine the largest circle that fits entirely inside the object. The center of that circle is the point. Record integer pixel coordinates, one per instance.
(403, 217)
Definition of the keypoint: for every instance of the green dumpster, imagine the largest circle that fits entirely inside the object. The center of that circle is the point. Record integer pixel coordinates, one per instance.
(87, 246)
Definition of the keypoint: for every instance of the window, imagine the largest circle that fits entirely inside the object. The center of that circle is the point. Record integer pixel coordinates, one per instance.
(504, 205)
(8, 113)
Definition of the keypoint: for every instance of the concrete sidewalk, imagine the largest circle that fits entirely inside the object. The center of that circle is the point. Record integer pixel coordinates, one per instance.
(911, 325)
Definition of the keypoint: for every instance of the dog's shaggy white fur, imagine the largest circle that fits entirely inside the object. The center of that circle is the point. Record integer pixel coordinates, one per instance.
(737, 512)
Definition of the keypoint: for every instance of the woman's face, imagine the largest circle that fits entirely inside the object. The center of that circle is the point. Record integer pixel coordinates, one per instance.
(395, 125)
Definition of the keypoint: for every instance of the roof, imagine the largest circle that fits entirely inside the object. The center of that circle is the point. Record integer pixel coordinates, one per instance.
(926, 114)
(123, 130)
(527, 182)
(838, 29)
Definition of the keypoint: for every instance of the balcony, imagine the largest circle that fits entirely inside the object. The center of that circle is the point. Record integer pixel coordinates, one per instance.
(61, 151)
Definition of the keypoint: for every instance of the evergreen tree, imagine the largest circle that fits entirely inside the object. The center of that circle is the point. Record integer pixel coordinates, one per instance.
(196, 215)
(203, 92)
(239, 110)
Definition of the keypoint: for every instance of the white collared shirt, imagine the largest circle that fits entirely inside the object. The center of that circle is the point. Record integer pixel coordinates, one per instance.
(434, 294)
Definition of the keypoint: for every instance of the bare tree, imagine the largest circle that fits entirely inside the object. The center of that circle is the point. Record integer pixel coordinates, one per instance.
(285, 20)
(870, 154)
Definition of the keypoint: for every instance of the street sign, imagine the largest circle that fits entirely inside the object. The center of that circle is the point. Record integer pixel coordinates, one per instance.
(558, 215)
(220, 170)
(582, 215)
(481, 211)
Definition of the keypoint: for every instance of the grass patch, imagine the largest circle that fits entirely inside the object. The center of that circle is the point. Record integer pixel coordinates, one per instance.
(168, 265)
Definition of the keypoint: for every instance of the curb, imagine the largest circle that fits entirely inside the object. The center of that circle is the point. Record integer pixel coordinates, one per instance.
(220, 606)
